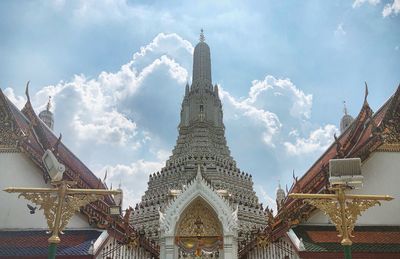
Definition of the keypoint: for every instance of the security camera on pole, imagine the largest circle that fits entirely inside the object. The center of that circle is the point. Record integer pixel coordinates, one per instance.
(60, 202)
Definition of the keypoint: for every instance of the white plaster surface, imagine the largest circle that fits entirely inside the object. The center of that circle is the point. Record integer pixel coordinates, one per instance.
(17, 170)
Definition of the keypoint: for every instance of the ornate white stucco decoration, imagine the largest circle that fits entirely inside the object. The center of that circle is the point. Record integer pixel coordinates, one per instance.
(198, 188)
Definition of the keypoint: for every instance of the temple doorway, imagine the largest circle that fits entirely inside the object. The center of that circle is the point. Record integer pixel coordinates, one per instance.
(199, 233)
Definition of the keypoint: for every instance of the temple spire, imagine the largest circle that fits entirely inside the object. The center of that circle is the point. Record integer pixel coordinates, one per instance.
(48, 106)
(47, 116)
(202, 65)
(187, 89)
(346, 119)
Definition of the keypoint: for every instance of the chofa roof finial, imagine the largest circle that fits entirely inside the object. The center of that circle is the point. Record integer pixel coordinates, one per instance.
(366, 92)
(27, 92)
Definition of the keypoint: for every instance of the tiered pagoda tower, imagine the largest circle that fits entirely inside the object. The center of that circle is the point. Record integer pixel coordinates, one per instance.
(201, 142)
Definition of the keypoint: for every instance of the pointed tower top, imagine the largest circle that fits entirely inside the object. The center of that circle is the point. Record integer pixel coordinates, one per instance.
(48, 106)
(202, 64)
(187, 89)
(202, 38)
(47, 116)
(346, 119)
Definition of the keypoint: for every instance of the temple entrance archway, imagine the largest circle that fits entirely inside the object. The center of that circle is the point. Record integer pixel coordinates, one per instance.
(198, 222)
(199, 232)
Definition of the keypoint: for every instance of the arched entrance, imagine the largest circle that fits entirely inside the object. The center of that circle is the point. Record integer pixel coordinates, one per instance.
(199, 232)
(198, 221)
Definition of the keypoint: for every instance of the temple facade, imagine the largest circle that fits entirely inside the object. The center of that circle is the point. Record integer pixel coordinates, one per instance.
(200, 203)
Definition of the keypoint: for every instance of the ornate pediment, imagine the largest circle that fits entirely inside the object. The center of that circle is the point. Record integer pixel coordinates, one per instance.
(198, 191)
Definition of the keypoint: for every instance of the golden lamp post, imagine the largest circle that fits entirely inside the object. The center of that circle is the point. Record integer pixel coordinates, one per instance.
(60, 202)
(343, 209)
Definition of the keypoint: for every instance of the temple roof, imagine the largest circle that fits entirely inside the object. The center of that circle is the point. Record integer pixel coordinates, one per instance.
(367, 239)
(75, 243)
(369, 132)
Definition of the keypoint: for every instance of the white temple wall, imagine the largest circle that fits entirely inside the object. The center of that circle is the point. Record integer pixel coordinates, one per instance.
(381, 174)
(17, 170)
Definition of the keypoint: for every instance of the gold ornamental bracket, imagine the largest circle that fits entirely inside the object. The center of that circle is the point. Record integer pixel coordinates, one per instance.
(60, 203)
(342, 209)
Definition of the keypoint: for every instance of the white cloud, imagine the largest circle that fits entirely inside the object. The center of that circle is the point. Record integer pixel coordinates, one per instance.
(265, 95)
(110, 127)
(340, 30)
(301, 102)
(358, 3)
(390, 9)
(17, 100)
(318, 141)
(267, 119)
(266, 199)
(294, 132)
(133, 178)
(89, 107)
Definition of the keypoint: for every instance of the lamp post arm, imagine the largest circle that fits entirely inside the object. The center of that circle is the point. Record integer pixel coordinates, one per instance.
(30, 190)
(54, 190)
(92, 191)
(369, 197)
(334, 196)
(312, 196)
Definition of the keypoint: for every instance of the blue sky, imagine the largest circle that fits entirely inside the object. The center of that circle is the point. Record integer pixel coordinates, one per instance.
(116, 71)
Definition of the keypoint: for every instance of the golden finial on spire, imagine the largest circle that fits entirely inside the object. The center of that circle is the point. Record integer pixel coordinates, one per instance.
(202, 38)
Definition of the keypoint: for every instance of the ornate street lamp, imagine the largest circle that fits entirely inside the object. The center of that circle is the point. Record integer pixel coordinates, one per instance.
(60, 202)
(343, 209)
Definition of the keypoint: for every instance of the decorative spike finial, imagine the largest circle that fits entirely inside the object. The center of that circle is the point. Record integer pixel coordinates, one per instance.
(202, 38)
(48, 104)
(344, 108)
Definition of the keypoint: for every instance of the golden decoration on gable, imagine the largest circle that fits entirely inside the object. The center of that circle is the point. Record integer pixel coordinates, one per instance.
(199, 220)
(8, 136)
